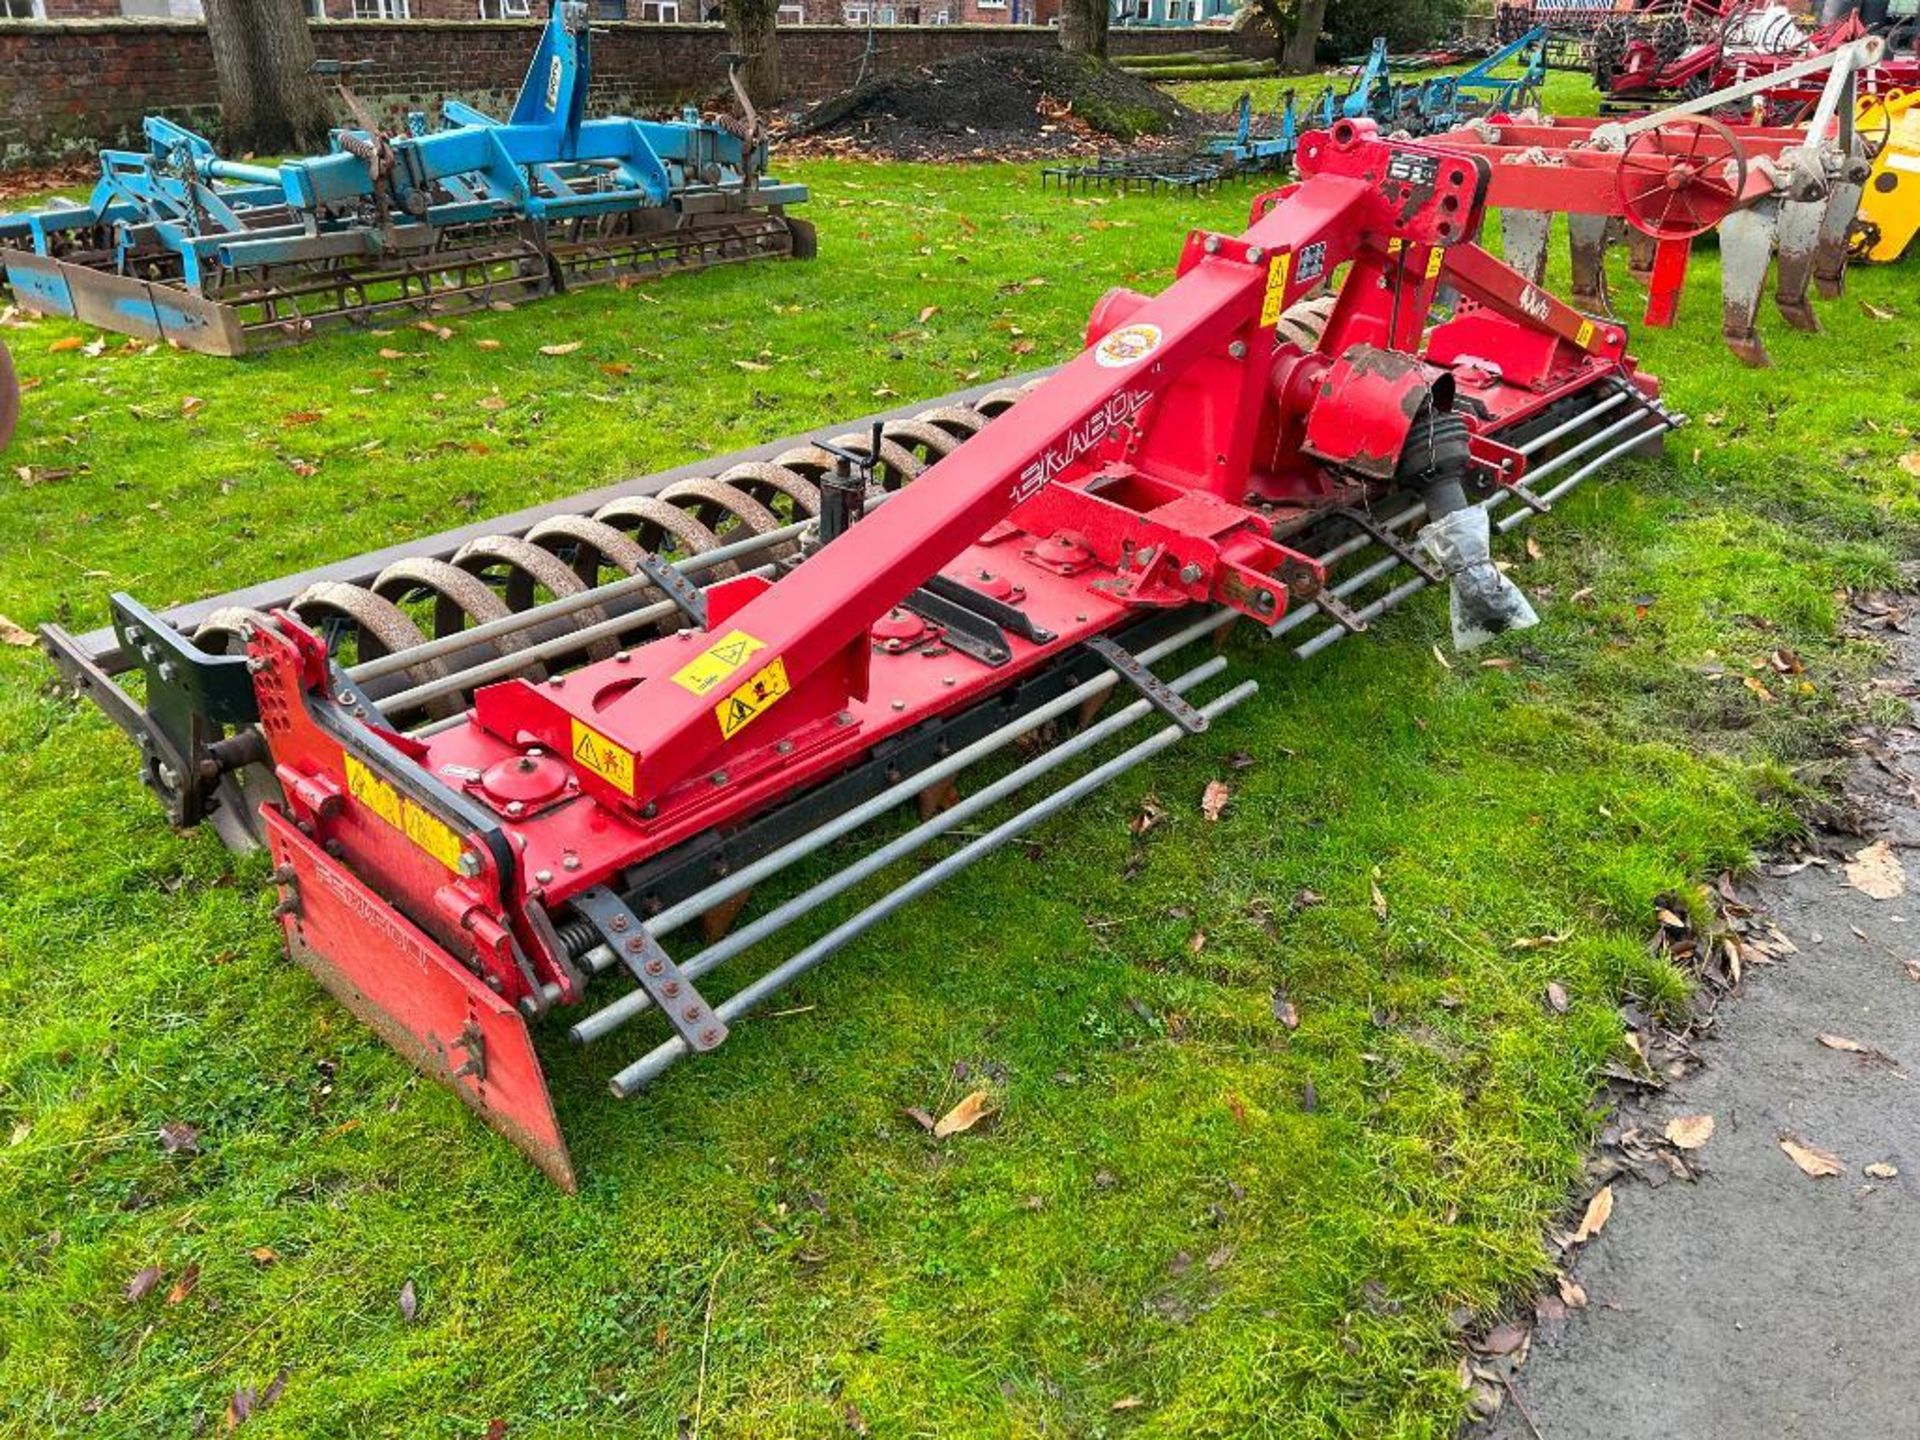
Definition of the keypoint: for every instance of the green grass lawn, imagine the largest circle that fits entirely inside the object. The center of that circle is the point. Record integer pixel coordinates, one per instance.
(1188, 1219)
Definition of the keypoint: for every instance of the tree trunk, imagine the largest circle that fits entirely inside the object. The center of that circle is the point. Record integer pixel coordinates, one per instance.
(1083, 27)
(753, 30)
(1297, 54)
(262, 52)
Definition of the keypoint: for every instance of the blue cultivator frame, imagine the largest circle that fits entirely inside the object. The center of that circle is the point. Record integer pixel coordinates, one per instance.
(217, 255)
(1422, 107)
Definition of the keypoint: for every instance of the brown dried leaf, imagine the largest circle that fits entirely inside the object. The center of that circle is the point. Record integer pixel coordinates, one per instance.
(65, 343)
(616, 368)
(1379, 897)
(1285, 1011)
(12, 634)
(264, 1255)
(179, 1138)
(1503, 1339)
(1841, 1042)
(964, 1116)
(1538, 942)
(1534, 551)
(753, 365)
(1910, 462)
(919, 1117)
(1877, 873)
(409, 1302)
(1499, 662)
(1556, 997)
(190, 403)
(141, 1285)
(1127, 1402)
(493, 402)
(1752, 683)
(1599, 1211)
(1818, 1164)
(928, 313)
(1441, 656)
(183, 1287)
(1689, 1132)
(1882, 1170)
(1213, 800)
(1876, 312)
(566, 349)
(1573, 1293)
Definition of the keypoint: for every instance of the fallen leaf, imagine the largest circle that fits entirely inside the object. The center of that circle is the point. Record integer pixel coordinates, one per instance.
(616, 368)
(190, 403)
(1841, 1042)
(1237, 1108)
(1599, 1211)
(753, 365)
(964, 1116)
(1876, 312)
(301, 417)
(1379, 899)
(493, 402)
(1214, 798)
(1556, 997)
(264, 1255)
(1538, 942)
(1689, 1132)
(1534, 551)
(388, 353)
(487, 344)
(1815, 1162)
(1441, 656)
(1752, 683)
(12, 634)
(1503, 1339)
(496, 1430)
(65, 343)
(178, 1138)
(1127, 1402)
(1881, 1170)
(1573, 1293)
(409, 1302)
(919, 1117)
(928, 313)
(142, 1284)
(1876, 872)
(1910, 462)
(1499, 662)
(566, 349)
(1285, 1011)
(183, 1287)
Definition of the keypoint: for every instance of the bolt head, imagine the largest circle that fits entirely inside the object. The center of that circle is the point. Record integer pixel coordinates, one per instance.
(544, 877)
(469, 864)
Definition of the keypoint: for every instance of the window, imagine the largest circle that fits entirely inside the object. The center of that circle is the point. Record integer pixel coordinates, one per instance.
(1176, 10)
(316, 9)
(941, 17)
(993, 4)
(608, 9)
(887, 16)
(505, 9)
(23, 10)
(793, 15)
(1143, 9)
(660, 12)
(854, 14)
(382, 9)
(154, 9)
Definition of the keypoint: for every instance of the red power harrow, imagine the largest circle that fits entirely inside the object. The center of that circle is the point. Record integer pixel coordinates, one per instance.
(626, 721)
(1667, 178)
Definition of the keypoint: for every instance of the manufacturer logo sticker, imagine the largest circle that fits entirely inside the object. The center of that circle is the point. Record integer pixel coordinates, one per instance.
(1118, 411)
(1128, 345)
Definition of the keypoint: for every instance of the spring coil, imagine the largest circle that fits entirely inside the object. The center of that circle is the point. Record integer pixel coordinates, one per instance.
(421, 598)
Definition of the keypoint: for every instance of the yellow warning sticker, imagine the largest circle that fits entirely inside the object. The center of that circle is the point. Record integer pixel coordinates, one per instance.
(374, 793)
(612, 763)
(1436, 257)
(719, 660)
(1276, 301)
(744, 705)
(1583, 337)
(423, 828)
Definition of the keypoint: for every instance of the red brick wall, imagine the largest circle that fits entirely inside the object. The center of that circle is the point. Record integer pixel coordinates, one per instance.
(72, 87)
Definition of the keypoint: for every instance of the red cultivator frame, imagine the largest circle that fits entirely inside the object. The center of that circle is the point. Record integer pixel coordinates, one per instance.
(475, 830)
(1674, 175)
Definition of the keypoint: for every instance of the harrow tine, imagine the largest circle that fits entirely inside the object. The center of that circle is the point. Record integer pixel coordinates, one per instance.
(1830, 250)
(657, 1061)
(637, 1002)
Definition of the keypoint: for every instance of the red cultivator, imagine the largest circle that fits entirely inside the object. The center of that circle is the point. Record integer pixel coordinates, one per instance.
(625, 722)
(1674, 175)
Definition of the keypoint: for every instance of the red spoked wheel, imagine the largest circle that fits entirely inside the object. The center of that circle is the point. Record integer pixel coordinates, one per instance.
(9, 397)
(1681, 178)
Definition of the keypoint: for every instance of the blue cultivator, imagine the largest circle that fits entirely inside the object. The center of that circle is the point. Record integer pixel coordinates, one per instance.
(1245, 152)
(217, 255)
(1421, 107)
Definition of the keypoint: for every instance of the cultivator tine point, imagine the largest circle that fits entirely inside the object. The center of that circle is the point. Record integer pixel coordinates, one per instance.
(1587, 237)
(1796, 243)
(1746, 253)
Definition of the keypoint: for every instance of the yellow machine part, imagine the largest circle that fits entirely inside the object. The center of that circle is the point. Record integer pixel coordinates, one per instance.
(1890, 205)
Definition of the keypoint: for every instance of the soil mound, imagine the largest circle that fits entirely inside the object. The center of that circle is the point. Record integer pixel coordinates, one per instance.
(1011, 104)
